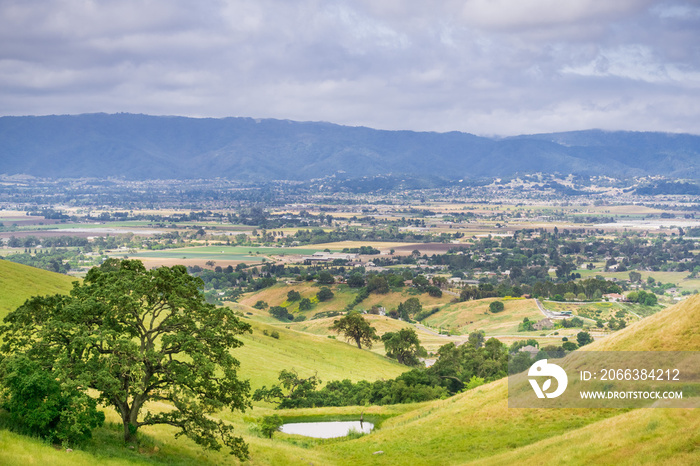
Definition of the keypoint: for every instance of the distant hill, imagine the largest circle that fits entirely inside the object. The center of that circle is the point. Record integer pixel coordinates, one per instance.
(158, 147)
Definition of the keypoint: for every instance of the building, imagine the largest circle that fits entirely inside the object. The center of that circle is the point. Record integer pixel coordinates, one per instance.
(543, 324)
(614, 297)
(530, 349)
(329, 257)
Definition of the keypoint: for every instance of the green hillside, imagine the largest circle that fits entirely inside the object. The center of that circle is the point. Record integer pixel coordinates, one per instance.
(475, 426)
(262, 357)
(478, 425)
(19, 282)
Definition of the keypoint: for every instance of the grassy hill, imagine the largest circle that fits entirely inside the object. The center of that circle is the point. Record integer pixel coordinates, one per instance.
(475, 426)
(469, 316)
(674, 329)
(478, 425)
(343, 295)
(19, 282)
(262, 357)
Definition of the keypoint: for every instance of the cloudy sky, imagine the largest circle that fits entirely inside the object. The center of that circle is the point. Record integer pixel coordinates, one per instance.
(489, 67)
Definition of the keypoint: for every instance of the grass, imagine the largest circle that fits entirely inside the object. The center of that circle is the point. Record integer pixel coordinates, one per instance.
(475, 426)
(224, 253)
(604, 310)
(645, 436)
(468, 316)
(20, 282)
(263, 357)
(674, 329)
(344, 295)
(478, 426)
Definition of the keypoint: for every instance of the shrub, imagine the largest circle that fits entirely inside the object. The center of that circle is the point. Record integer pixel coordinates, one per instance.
(281, 313)
(496, 306)
(38, 405)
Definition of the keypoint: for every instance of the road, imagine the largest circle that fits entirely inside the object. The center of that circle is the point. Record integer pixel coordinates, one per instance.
(547, 314)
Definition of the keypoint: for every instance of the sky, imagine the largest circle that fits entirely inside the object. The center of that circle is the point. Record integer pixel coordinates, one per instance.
(488, 67)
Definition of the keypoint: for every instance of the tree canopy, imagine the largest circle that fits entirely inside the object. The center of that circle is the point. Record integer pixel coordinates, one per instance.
(135, 336)
(404, 346)
(496, 306)
(356, 328)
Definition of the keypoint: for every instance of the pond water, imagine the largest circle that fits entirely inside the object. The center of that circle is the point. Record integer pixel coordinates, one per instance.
(329, 429)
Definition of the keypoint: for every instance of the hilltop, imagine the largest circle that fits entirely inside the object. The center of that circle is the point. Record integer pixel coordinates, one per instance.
(157, 147)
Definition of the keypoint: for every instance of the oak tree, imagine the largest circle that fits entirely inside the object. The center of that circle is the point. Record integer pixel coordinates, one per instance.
(356, 328)
(135, 336)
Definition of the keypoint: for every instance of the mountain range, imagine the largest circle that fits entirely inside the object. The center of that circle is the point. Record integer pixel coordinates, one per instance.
(164, 147)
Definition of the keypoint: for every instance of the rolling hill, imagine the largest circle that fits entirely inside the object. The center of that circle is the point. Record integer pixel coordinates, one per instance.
(20, 282)
(157, 147)
(478, 426)
(475, 426)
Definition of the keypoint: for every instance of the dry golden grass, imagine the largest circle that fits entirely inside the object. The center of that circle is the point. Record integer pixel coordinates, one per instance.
(468, 316)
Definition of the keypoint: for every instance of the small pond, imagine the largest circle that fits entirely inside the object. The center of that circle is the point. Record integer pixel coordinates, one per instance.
(329, 429)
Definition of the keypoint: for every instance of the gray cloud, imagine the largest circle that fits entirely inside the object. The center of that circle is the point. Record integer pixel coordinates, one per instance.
(482, 66)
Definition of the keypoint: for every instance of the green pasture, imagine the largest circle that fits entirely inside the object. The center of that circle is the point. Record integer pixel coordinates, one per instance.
(224, 253)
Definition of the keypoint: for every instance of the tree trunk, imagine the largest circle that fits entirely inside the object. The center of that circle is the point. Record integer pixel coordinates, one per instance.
(128, 436)
(130, 421)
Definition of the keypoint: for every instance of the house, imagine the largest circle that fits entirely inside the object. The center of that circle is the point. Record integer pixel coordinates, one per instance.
(543, 324)
(614, 297)
(530, 349)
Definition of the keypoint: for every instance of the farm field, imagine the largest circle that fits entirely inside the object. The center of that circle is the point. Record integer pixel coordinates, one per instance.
(223, 255)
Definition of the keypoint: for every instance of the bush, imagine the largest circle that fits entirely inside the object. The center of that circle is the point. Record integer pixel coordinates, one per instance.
(281, 313)
(38, 405)
(324, 294)
(496, 306)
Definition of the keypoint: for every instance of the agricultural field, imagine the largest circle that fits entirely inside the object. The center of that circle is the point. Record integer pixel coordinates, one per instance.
(222, 255)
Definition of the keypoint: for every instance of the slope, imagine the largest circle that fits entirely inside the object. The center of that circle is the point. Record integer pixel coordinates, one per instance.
(262, 357)
(478, 425)
(19, 282)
